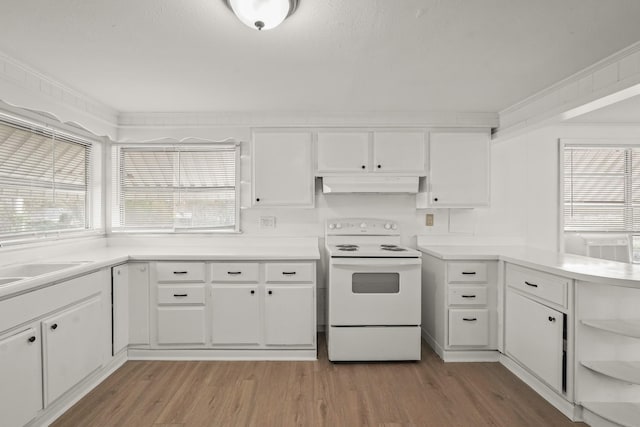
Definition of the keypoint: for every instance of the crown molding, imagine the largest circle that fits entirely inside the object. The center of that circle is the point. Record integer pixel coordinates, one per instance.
(606, 82)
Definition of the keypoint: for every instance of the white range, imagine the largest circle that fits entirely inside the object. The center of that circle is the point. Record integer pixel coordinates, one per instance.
(373, 292)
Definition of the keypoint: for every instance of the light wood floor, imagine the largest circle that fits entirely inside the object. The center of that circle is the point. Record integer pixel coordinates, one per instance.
(320, 393)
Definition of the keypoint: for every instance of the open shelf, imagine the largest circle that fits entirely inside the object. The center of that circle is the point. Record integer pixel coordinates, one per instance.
(624, 413)
(628, 372)
(629, 327)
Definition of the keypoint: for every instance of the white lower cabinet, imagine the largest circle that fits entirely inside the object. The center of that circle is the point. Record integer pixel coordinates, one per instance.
(181, 325)
(21, 374)
(289, 315)
(72, 347)
(469, 327)
(534, 337)
(235, 315)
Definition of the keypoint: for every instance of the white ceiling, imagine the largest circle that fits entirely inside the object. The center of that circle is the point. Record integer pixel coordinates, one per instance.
(330, 56)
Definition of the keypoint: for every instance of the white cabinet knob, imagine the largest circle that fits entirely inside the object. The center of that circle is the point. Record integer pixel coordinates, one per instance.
(394, 227)
(363, 225)
(387, 226)
(338, 226)
(332, 226)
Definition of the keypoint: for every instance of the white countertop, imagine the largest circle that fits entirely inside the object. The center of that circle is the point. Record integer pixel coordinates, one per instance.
(101, 257)
(567, 265)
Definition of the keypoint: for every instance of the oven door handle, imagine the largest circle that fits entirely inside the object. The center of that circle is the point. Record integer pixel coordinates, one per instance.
(377, 262)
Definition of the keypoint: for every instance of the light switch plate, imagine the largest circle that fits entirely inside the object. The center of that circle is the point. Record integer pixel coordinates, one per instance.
(267, 222)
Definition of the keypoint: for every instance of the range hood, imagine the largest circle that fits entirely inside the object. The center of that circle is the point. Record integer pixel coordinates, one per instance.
(369, 184)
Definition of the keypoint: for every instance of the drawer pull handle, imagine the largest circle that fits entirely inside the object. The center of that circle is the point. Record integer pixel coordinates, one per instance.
(468, 296)
(533, 285)
(288, 273)
(180, 295)
(552, 319)
(32, 339)
(54, 326)
(469, 319)
(180, 272)
(234, 273)
(469, 273)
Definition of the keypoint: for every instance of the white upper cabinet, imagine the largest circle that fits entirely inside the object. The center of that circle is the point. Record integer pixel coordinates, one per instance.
(458, 170)
(399, 151)
(282, 169)
(343, 152)
(361, 151)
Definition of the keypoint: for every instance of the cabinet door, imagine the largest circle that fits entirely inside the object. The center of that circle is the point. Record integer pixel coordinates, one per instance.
(138, 303)
(343, 152)
(181, 325)
(399, 152)
(459, 169)
(235, 312)
(120, 309)
(533, 337)
(289, 315)
(282, 169)
(73, 346)
(21, 374)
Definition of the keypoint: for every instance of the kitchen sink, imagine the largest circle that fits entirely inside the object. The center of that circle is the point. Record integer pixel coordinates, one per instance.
(32, 270)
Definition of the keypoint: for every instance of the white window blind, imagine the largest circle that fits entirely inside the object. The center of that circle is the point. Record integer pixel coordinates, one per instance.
(601, 188)
(169, 188)
(44, 182)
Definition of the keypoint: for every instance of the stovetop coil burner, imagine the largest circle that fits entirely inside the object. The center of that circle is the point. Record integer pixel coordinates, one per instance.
(393, 249)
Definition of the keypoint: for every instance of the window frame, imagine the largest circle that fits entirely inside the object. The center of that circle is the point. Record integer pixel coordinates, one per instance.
(114, 183)
(563, 143)
(93, 226)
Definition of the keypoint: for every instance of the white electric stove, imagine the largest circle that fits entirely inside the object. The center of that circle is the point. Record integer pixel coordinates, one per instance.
(373, 292)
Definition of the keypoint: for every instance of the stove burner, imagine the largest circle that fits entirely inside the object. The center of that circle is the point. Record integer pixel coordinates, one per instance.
(347, 245)
(388, 246)
(393, 249)
(348, 248)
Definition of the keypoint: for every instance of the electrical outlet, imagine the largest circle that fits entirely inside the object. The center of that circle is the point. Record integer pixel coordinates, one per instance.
(429, 220)
(267, 222)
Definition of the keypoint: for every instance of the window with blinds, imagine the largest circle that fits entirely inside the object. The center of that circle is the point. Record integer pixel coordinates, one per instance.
(44, 182)
(172, 189)
(601, 188)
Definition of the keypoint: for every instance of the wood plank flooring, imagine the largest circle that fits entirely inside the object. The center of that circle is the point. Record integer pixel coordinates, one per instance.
(318, 393)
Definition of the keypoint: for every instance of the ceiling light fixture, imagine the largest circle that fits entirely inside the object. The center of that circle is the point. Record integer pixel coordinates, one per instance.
(262, 14)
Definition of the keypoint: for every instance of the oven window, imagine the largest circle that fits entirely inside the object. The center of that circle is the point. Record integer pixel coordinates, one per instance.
(375, 283)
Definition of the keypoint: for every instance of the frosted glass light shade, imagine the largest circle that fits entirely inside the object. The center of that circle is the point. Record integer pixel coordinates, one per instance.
(262, 14)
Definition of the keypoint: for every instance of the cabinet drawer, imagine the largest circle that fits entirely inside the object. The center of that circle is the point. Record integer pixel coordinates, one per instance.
(469, 327)
(234, 272)
(185, 294)
(290, 272)
(467, 295)
(180, 271)
(181, 325)
(543, 285)
(467, 272)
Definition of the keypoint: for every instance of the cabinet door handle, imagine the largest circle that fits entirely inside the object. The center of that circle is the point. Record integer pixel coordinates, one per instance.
(288, 273)
(435, 199)
(552, 319)
(270, 292)
(468, 296)
(252, 292)
(180, 295)
(379, 166)
(533, 285)
(469, 319)
(180, 272)
(257, 199)
(469, 273)
(54, 326)
(32, 339)
(364, 167)
(234, 273)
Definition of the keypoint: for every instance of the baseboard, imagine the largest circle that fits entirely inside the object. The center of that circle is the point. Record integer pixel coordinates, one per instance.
(225, 354)
(595, 420)
(432, 343)
(570, 410)
(80, 390)
(471, 356)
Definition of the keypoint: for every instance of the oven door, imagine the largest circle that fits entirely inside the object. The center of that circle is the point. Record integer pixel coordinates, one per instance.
(374, 291)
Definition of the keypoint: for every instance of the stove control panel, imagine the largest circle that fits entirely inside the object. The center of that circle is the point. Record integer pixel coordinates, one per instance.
(361, 226)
